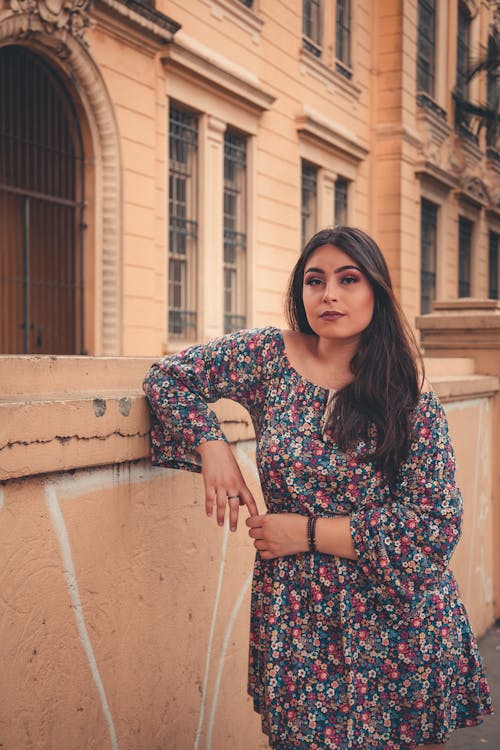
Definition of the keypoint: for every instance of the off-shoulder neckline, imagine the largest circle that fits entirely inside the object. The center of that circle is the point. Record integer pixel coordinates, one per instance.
(285, 359)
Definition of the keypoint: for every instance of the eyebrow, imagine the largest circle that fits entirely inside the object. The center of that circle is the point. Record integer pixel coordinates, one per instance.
(337, 270)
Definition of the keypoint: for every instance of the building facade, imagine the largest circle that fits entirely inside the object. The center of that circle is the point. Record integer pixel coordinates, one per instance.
(161, 165)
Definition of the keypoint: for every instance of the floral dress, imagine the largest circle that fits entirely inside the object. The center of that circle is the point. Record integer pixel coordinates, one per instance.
(371, 654)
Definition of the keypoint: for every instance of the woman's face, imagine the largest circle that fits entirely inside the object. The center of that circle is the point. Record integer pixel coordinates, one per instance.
(338, 298)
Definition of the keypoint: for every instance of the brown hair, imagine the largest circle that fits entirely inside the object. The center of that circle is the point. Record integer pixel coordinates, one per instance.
(386, 384)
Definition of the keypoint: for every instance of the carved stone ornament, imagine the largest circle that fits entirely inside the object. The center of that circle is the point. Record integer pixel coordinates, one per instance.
(54, 15)
(477, 188)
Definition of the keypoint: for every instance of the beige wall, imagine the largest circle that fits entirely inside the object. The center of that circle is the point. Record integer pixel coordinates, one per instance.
(124, 611)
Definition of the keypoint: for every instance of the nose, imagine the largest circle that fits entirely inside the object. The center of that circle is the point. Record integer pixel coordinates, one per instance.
(330, 294)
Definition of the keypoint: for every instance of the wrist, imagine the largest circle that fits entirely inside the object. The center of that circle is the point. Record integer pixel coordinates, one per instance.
(211, 446)
(311, 534)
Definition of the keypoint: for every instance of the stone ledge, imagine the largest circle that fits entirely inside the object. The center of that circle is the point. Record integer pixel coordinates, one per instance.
(47, 434)
(460, 388)
(63, 413)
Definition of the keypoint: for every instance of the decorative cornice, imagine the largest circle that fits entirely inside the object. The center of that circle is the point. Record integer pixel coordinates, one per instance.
(320, 129)
(442, 177)
(190, 57)
(146, 20)
(51, 16)
(476, 191)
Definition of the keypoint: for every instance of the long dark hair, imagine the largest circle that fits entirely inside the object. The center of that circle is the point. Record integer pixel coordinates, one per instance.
(387, 366)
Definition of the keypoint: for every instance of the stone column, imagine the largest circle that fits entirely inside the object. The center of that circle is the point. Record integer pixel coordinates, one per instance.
(211, 246)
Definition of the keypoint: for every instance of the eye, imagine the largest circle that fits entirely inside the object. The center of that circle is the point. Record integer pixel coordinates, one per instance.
(350, 279)
(312, 281)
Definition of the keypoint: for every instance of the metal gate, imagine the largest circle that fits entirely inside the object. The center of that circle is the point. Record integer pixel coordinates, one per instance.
(41, 210)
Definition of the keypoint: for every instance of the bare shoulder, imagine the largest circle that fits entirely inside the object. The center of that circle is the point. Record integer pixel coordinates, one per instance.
(426, 387)
(296, 339)
(297, 344)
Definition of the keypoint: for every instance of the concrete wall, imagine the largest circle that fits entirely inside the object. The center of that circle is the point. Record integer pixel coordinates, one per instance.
(123, 610)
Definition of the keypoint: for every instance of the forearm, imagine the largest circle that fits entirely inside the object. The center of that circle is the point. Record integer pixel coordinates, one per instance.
(333, 537)
(281, 534)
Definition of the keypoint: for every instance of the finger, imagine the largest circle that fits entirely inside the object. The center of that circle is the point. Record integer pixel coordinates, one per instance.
(253, 521)
(234, 509)
(266, 555)
(209, 500)
(221, 505)
(259, 544)
(249, 501)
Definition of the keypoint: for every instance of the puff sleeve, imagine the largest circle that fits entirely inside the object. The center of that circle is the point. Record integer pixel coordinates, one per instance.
(405, 542)
(180, 387)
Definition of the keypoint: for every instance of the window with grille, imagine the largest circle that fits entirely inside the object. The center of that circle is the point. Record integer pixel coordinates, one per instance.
(428, 254)
(183, 223)
(341, 195)
(42, 202)
(235, 227)
(343, 38)
(426, 52)
(309, 202)
(463, 50)
(465, 228)
(493, 265)
(311, 26)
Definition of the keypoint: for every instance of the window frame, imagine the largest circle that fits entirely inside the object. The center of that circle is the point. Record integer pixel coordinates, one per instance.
(235, 313)
(343, 31)
(465, 235)
(341, 193)
(309, 174)
(424, 59)
(493, 267)
(312, 38)
(463, 47)
(428, 253)
(183, 317)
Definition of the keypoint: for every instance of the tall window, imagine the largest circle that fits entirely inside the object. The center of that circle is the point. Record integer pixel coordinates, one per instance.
(493, 94)
(343, 37)
(42, 202)
(311, 26)
(183, 223)
(426, 52)
(428, 254)
(309, 207)
(463, 50)
(341, 193)
(235, 224)
(465, 228)
(493, 265)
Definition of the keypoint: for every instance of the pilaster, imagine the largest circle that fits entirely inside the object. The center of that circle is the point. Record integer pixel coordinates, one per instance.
(212, 239)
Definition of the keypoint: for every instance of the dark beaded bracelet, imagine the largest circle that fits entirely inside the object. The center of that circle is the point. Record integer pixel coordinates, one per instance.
(311, 533)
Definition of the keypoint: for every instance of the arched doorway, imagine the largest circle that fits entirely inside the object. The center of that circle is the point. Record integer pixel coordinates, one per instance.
(41, 209)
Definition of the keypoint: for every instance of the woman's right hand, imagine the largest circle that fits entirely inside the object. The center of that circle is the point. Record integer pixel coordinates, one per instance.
(224, 483)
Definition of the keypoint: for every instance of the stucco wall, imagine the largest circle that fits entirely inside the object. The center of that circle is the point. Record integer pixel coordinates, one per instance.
(124, 611)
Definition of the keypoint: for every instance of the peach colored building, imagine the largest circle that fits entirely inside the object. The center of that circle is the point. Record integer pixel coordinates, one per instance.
(162, 162)
(160, 166)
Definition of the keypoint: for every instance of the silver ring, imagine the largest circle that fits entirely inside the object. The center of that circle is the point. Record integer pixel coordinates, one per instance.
(233, 497)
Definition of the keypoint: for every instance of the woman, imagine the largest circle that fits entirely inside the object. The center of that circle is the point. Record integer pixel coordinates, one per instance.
(358, 636)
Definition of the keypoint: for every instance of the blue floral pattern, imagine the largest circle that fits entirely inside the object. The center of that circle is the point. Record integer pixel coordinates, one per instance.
(372, 654)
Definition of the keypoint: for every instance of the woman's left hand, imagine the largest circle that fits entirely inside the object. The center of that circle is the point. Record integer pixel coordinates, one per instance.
(278, 534)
